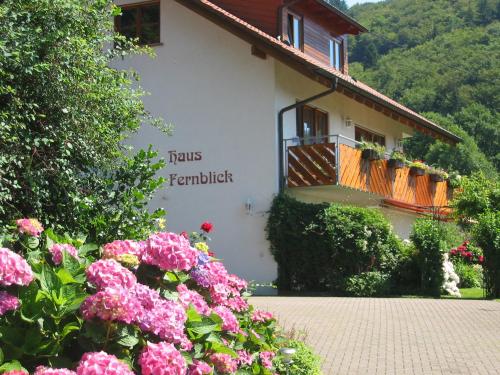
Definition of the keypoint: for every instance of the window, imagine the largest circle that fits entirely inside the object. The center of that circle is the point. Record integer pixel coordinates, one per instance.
(335, 54)
(312, 125)
(140, 21)
(294, 30)
(363, 135)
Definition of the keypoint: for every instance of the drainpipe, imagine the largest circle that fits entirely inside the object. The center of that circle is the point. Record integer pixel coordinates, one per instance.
(280, 127)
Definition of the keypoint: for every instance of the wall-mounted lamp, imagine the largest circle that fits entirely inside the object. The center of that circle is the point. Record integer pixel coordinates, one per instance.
(249, 206)
(348, 122)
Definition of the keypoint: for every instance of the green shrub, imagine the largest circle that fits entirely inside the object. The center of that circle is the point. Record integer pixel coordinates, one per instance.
(65, 113)
(362, 238)
(428, 238)
(368, 284)
(486, 234)
(305, 362)
(406, 277)
(470, 275)
(302, 255)
(317, 247)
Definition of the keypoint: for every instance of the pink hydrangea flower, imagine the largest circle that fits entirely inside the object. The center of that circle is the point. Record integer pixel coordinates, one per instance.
(219, 293)
(14, 269)
(224, 363)
(16, 372)
(261, 316)
(57, 252)
(190, 297)
(236, 283)
(245, 358)
(113, 303)
(31, 227)
(41, 370)
(267, 359)
(115, 249)
(166, 321)
(199, 368)
(236, 303)
(8, 302)
(210, 274)
(229, 320)
(102, 363)
(146, 296)
(169, 251)
(162, 359)
(109, 273)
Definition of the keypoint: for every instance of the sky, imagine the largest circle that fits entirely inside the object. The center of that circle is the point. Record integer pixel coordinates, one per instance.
(352, 2)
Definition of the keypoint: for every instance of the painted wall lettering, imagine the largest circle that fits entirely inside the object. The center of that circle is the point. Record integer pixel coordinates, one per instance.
(209, 178)
(174, 157)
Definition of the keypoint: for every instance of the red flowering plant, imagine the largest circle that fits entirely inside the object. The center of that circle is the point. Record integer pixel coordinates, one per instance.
(467, 253)
(154, 307)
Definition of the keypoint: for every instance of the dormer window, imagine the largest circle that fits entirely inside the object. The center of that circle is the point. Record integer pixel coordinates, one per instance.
(335, 49)
(295, 32)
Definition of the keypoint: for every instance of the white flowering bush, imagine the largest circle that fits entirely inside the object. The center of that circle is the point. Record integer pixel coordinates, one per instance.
(156, 307)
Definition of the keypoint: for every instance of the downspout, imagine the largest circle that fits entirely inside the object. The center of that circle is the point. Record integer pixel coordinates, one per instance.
(280, 127)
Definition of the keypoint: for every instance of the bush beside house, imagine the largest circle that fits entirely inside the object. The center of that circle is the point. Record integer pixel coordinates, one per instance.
(337, 249)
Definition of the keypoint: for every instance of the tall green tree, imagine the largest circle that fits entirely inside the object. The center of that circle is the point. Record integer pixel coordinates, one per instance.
(64, 115)
(440, 57)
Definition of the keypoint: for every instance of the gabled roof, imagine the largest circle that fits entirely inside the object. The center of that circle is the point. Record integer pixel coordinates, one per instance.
(318, 71)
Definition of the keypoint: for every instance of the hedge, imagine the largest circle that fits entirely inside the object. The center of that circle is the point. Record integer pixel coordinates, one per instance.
(487, 235)
(318, 247)
(428, 237)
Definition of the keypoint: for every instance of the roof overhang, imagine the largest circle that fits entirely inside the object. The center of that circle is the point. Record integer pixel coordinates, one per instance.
(317, 71)
(333, 16)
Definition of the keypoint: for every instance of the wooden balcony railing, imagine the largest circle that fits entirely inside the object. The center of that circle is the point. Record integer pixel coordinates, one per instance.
(312, 165)
(316, 165)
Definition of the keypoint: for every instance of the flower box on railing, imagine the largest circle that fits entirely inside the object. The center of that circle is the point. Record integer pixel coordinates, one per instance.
(417, 171)
(395, 164)
(369, 154)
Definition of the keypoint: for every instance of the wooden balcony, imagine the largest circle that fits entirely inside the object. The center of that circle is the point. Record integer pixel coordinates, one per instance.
(316, 165)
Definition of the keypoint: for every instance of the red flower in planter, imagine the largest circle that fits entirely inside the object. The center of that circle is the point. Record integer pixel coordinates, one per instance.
(481, 259)
(207, 227)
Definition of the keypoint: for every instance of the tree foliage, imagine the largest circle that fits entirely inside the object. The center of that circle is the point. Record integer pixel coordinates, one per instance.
(64, 114)
(441, 57)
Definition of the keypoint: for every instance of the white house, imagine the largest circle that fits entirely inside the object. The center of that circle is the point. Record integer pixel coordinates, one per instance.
(261, 100)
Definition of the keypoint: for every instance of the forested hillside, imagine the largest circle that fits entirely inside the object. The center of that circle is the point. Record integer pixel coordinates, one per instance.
(442, 58)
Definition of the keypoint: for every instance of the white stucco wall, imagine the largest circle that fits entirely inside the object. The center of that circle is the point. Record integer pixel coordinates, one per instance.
(220, 100)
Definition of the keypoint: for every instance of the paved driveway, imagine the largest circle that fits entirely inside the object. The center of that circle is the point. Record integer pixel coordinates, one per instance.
(395, 335)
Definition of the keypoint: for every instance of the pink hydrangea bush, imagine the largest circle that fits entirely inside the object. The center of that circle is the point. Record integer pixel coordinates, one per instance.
(8, 302)
(112, 304)
(162, 359)
(170, 252)
(31, 227)
(109, 273)
(101, 363)
(14, 270)
(57, 252)
(42, 370)
(174, 309)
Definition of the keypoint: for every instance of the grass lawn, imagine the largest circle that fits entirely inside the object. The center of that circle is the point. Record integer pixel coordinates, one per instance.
(470, 293)
(467, 293)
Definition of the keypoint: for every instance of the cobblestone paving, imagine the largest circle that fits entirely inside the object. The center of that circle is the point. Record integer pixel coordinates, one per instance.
(395, 335)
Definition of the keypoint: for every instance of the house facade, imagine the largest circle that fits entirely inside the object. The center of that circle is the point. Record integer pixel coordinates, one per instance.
(261, 100)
